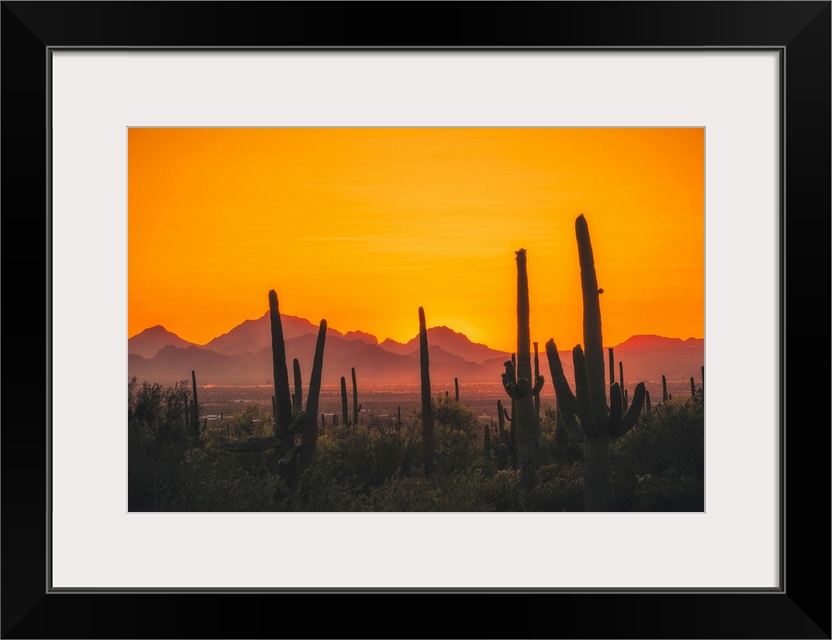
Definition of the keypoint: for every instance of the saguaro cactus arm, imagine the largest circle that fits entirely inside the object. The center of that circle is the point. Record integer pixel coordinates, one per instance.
(290, 455)
(589, 423)
(509, 379)
(566, 398)
(299, 423)
(310, 431)
(629, 419)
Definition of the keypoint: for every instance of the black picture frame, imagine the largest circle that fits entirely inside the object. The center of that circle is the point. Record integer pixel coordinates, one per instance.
(800, 31)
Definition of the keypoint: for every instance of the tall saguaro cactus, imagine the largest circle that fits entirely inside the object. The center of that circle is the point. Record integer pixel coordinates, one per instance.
(537, 397)
(293, 457)
(621, 383)
(518, 384)
(598, 421)
(283, 400)
(356, 408)
(427, 399)
(345, 414)
(297, 396)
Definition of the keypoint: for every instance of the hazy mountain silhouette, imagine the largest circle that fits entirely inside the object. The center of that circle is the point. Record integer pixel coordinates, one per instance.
(451, 341)
(362, 336)
(251, 336)
(243, 356)
(372, 363)
(148, 342)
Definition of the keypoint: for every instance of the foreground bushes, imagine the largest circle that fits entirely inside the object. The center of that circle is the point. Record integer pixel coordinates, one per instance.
(658, 466)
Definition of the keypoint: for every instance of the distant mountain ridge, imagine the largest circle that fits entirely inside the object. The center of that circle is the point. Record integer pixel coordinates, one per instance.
(242, 356)
(150, 341)
(451, 341)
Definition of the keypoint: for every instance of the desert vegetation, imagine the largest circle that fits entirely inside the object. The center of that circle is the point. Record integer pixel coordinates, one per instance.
(596, 448)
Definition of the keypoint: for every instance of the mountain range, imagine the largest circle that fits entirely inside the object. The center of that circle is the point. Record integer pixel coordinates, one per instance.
(243, 356)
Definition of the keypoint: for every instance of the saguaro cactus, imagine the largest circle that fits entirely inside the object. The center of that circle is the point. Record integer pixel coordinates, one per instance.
(293, 457)
(306, 422)
(345, 414)
(612, 365)
(664, 389)
(537, 396)
(427, 400)
(598, 422)
(297, 396)
(283, 401)
(518, 384)
(356, 408)
(621, 384)
(456, 389)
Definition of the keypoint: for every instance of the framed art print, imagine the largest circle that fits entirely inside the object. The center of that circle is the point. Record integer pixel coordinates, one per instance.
(430, 318)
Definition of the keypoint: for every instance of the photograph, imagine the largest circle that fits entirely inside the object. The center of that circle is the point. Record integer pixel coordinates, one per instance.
(416, 319)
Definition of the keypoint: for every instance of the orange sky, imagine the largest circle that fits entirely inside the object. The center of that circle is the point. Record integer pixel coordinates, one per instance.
(364, 226)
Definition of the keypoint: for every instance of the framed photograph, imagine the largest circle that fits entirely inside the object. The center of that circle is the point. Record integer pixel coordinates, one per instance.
(151, 148)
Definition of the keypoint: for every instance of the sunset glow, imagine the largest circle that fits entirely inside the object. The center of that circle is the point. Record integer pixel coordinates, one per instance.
(364, 226)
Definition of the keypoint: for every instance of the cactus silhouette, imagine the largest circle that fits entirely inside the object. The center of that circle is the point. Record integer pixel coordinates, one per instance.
(297, 396)
(501, 425)
(292, 457)
(598, 422)
(456, 389)
(306, 421)
(537, 396)
(283, 400)
(612, 365)
(427, 400)
(518, 384)
(507, 437)
(345, 415)
(621, 384)
(356, 408)
(664, 389)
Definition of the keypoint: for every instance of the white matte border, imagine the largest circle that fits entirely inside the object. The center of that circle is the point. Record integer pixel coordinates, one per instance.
(97, 95)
